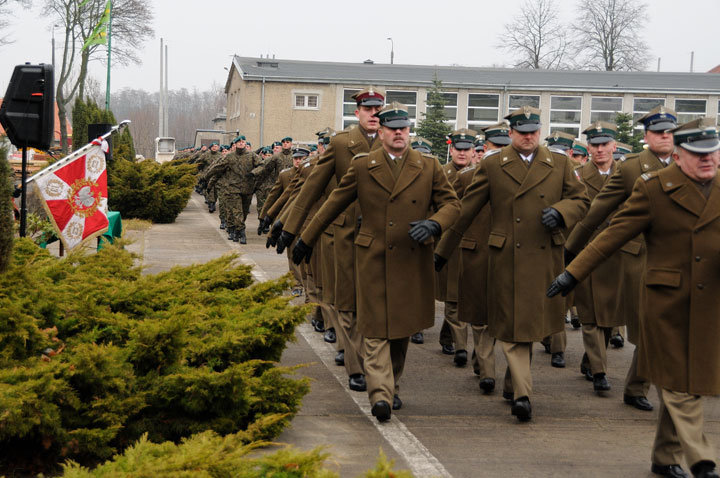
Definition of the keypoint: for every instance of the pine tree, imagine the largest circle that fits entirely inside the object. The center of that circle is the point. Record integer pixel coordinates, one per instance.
(625, 132)
(6, 214)
(433, 126)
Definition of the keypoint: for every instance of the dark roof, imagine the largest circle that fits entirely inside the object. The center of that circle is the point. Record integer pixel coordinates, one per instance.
(254, 69)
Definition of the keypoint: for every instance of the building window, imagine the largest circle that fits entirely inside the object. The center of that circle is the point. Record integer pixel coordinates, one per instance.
(605, 108)
(518, 101)
(450, 109)
(482, 110)
(306, 101)
(407, 98)
(688, 110)
(565, 114)
(643, 105)
(718, 115)
(349, 107)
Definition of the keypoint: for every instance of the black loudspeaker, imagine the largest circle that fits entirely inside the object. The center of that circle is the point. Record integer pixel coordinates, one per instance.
(96, 130)
(28, 109)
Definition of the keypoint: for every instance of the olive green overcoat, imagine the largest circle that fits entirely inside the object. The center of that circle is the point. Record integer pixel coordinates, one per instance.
(394, 273)
(680, 330)
(524, 256)
(446, 280)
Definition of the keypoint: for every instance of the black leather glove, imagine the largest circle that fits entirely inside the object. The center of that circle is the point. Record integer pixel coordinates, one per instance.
(569, 256)
(274, 234)
(551, 218)
(300, 252)
(264, 222)
(17, 192)
(439, 262)
(285, 240)
(421, 231)
(563, 284)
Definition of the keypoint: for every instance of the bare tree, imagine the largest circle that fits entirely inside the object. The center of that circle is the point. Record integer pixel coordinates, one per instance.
(609, 38)
(6, 18)
(535, 38)
(131, 26)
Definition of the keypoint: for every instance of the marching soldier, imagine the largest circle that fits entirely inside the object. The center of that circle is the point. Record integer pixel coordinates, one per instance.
(579, 152)
(616, 190)
(396, 187)
(534, 196)
(677, 209)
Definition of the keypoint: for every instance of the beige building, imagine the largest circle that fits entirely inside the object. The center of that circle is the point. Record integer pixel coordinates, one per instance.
(268, 99)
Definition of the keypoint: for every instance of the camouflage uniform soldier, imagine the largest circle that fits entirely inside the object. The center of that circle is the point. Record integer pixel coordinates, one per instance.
(205, 162)
(266, 175)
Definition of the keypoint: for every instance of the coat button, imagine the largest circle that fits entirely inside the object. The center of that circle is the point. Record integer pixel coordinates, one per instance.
(697, 258)
(700, 286)
(391, 200)
(542, 195)
(390, 246)
(517, 219)
(391, 223)
(517, 244)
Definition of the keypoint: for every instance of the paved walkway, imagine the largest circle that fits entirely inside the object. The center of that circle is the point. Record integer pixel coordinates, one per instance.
(446, 427)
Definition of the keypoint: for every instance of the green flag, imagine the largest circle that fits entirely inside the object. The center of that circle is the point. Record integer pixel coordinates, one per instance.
(99, 33)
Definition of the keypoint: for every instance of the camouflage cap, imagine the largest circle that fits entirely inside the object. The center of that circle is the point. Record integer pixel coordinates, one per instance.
(462, 138)
(370, 96)
(699, 136)
(497, 134)
(421, 144)
(659, 118)
(560, 138)
(525, 119)
(395, 116)
(600, 132)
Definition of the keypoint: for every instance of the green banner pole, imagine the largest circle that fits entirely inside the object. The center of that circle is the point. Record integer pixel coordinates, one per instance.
(109, 49)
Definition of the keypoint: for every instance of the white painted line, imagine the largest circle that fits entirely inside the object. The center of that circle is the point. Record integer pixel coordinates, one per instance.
(422, 463)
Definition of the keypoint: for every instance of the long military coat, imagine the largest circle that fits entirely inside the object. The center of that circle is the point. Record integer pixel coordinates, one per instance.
(446, 281)
(597, 296)
(394, 273)
(680, 330)
(282, 183)
(524, 255)
(335, 161)
(612, 196)
(473, 279)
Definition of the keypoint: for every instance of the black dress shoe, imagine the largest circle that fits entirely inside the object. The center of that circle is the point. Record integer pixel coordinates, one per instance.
(704, 469)
(330, 336)
(381, 411)
(673, 471)
(487, 385)
(546, 346)
(617, 341)
(357, 382)
(586, 372)
(558, 360)
(641, 403)
(397, 403)
(507, 395)
(460, 358)
(340, 358)
(521, 409)
(417, 338)
(318, 325)
(575, 322)
(600, 383)
(448, 349)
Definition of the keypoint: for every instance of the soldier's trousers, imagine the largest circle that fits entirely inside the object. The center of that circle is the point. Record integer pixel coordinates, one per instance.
(680, 430)
(352, 341)
(518, 379)
(457, 328)
(595, 340)
(238, 209)
(295, 269)
(384, 361)
(260, 197)
(635, 385)
(557, 342)
(483, 356)
(222, 208)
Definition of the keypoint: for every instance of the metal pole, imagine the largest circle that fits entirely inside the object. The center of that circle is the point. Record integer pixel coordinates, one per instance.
(109, 46)
(160, 94)
(23, 197)
(392, 50)
(262, 112)
(53, 48)
(166, 129)
(692, 60)
(658, 65)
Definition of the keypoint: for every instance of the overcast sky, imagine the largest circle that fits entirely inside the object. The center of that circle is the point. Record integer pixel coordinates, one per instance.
(203, 35)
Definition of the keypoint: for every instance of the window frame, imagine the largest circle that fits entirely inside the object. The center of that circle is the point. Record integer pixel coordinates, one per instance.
(477, 124)
(305, 94)
(564, 125)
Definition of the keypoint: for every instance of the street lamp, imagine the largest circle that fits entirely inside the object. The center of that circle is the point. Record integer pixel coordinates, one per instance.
(53, 45)
(392, 50)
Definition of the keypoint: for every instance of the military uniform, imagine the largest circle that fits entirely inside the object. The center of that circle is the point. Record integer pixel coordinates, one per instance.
(394, 287)
(267, 173)
(678, 352)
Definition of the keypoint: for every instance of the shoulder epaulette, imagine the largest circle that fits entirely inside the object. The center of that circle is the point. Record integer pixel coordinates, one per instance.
(428, 155)
(471, 167)
(360, 155)
(305, 163)
(625, 157)
(648, 176)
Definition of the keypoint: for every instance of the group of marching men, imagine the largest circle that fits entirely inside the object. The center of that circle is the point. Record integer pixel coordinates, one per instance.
(511, 235)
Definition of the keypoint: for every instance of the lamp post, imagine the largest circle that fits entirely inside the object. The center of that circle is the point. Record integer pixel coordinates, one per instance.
(392, 50)
(53, 46)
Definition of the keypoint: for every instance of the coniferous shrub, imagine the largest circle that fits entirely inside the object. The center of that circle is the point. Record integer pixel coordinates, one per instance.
(6, 212)
(149, 190)
(93, 355)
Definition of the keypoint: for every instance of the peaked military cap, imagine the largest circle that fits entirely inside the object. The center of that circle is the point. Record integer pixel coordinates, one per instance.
(463, 138)
(370, 96)
(286, 138)
(579, 148)
(659, 118)
(525, 119)
(497, 134)
(421, 144)
(276, 143)
(624, 148)
(698, 136)
(326, 132)
(559, 138)
(395, 116)
(479, 143)
(300, 152)
(600, 132)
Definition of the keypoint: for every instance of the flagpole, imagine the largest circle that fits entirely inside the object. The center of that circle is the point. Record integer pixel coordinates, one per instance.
(109, 48)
